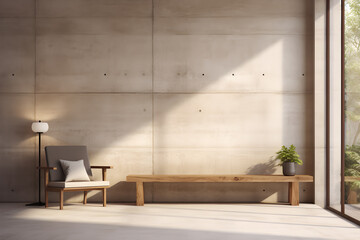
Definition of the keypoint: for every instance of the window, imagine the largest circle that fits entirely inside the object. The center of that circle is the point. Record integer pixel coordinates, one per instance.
(352, 108)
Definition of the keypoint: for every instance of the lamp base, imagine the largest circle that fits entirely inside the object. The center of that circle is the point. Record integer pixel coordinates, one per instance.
(36, 204)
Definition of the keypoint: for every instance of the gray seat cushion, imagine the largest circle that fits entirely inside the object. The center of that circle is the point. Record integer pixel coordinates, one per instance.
(79, 184)
(71, 153)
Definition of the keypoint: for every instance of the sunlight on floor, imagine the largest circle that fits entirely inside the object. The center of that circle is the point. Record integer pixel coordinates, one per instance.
(174, 221)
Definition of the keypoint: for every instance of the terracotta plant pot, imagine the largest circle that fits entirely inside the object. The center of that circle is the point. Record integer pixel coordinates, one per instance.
(289, 169)
(352, 197)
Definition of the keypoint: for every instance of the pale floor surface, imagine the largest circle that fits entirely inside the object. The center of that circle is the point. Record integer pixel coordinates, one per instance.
(173, 221)
(353, 210)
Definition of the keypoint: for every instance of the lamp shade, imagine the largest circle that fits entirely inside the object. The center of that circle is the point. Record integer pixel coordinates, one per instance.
(40, 127)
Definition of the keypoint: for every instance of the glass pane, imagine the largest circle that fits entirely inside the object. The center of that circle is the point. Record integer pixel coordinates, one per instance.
(352, 108)
(335, 105)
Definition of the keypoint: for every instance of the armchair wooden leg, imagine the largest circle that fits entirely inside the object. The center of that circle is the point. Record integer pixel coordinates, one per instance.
(85, 197)
(61, 199)
(104, 197)
(46, 198)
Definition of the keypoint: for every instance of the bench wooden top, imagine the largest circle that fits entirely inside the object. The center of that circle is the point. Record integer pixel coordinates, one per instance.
(219, 178)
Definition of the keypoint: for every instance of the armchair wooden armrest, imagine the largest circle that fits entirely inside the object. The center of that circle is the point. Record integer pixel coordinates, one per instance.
(46, 168)
(46, 173)
(103, 170)
(107, 167)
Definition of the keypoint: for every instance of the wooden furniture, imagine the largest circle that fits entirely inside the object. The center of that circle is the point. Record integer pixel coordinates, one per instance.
(352, 179)
(351, 197)
(293, 182)
(55, 179)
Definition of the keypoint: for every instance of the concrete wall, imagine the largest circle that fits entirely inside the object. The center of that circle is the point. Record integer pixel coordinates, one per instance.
(17, 106)
(160, 87)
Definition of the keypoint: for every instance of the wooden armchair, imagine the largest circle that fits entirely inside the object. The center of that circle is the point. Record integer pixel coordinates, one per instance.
(55, 179)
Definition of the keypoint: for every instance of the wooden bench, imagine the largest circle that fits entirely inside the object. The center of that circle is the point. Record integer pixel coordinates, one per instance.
(293, 182)
(352, 179)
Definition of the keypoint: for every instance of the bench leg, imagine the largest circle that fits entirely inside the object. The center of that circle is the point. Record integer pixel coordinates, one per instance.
(294, 193)
(85, 197)
(46, 198)
(61, 199)
(104, 197)
(139, 193)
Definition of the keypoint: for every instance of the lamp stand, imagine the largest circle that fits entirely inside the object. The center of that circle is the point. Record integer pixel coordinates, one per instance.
(39, 203)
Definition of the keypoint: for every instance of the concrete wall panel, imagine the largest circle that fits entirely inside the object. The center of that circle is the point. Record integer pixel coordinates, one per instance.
(94, 55)
(232, 63)
(94, 8)
(17, 58)
(17, 150)
(196, 51)
(262, 53)
(99, 120)
(17, 8)
(227, 192)
(219, 192)
(18, 174)
(201, 86)
(232, 8)
(278, 25)
(233, 120)
(17, 113)
(93, 26)
(115, 127)
(225, 161)
(225, 134)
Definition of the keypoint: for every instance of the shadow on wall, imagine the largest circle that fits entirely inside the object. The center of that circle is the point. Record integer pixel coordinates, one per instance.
(264, 168)
(95, 127)
(110, 122)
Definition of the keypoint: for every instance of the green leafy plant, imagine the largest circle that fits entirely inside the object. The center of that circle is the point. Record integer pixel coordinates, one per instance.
(288, 154)
(352, 164)
(352, 169)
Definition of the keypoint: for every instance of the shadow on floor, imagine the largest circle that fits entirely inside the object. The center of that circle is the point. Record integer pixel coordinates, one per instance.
(35, 229)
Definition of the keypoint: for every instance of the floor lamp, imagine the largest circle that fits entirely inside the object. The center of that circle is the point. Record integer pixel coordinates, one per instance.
(39, 127)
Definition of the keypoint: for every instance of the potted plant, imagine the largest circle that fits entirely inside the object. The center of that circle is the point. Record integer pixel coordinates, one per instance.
(352, 173)
(288, 158)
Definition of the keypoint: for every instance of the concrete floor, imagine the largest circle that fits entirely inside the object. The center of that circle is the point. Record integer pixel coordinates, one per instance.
(353, 210)
(173, 221)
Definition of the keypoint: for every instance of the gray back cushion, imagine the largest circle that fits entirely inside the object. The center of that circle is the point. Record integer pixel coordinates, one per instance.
(71, 153)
